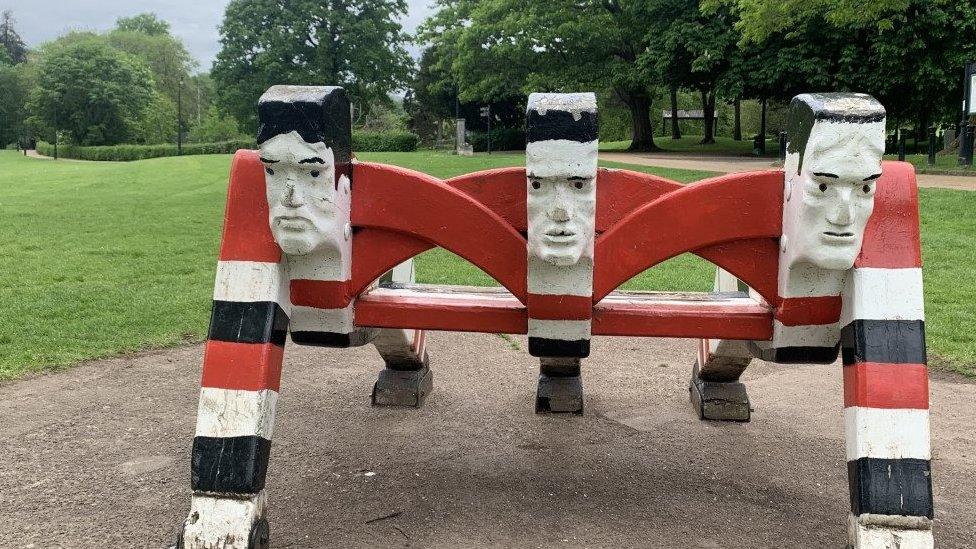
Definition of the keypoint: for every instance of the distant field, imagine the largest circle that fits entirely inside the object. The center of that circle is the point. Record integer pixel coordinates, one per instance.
(107, 258)
(689, 144)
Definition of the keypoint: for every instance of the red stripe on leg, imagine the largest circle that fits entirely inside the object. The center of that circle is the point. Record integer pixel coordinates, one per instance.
(874, 385)
(320, 294)
(242, 366)
(560, 307)
(809, 311)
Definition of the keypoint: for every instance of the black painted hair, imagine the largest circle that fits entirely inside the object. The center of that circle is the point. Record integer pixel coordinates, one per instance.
(318, 114)
(808, 108)
(555, 123)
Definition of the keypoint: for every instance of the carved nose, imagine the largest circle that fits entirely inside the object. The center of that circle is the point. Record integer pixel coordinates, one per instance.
(559, 213)
(843, 213)
(292, 196)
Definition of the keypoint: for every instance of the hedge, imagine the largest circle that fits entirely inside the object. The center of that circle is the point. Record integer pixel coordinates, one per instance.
(361, 142)
(125, 153)
(502, 139)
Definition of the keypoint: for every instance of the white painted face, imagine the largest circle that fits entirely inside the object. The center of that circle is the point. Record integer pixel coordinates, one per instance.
(561, 200)
(830, 200)
(302, 195)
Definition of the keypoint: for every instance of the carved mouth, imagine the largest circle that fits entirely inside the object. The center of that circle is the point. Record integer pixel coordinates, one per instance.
(839, 235)
(560, 236)
(292, 223)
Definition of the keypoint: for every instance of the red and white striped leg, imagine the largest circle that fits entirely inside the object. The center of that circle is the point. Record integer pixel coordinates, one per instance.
(886, 410)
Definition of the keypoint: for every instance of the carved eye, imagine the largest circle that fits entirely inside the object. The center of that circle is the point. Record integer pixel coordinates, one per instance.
(316, 173)
(269, 171)
(579, 184)
(823, 187)
(536, 185)
(866, 189)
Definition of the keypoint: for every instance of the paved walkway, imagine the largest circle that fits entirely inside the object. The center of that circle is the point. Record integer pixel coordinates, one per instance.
(98, 456)
(732, 164)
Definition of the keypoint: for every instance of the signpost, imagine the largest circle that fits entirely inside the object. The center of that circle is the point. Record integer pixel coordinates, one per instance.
(968, 110)
(486, 113)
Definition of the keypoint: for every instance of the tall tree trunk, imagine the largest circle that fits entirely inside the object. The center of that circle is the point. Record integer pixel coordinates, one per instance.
(640, 116)
(708, 109)
(737, 127)
(675, 128)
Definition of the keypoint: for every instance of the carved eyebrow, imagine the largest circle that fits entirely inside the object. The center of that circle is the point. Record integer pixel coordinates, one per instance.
(313, 160)
(872, 177)
(826, 174)
(577, 178)
(266, 161)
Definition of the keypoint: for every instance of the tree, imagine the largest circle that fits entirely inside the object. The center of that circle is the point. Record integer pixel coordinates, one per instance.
(165, 55)
(759, 19)
(215, 127)
(158, 122)
(552, 45)
(92, 92)
(145, 23)
(13, 91)
(10, 40)
(357, 44)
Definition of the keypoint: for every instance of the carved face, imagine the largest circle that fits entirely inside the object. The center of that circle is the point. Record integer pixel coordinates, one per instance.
(830, 200)
(561, 200)
(302, 194)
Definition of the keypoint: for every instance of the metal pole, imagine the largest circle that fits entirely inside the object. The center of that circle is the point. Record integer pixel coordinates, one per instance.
(967, 152)
(965, 139)
(489, 129)
(57, 132)
(932, 146)
(782, 146)
(179, 120)
(901, 144)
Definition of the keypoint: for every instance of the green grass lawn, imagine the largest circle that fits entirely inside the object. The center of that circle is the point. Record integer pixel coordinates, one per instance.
(943, 163)
(689, 144)
(107, 258)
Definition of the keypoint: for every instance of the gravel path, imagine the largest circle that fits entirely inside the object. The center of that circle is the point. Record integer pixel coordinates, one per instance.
(98, 456)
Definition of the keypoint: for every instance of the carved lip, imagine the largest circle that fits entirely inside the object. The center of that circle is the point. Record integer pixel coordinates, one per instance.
(561, 236)
(838, 237)
(292, 222)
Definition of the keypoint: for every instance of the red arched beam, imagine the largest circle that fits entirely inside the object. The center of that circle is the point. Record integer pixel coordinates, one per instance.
(891, 238)
(397, 199)
(723, 209)
(377, 251)
(754, 261)
(618, 192)
(247, 233)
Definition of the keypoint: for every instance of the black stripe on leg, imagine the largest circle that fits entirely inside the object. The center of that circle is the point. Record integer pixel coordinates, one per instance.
(559, 348)
(890, 487)
(796, 355)
(885, 341)
(231, 465)
(248, 322)
(358, 338)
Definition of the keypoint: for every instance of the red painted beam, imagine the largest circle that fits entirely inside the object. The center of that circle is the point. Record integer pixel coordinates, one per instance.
(724, 209)
(424, 207)
(637, 314)
(891, 238)
(736, 318)
(247, 233)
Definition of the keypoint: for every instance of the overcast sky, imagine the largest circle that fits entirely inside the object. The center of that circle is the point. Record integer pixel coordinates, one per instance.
(194, 21)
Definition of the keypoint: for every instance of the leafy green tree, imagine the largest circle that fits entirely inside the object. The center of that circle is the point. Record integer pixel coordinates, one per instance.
(158, 121)
(145, 23)
(553, 45)
(357, 44)
(166, 56)
(14, 45)
(13, 98)
(214, 128)
(90, 91)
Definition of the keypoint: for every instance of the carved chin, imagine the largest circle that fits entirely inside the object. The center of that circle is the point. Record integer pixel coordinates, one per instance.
(560, 258)
(294, 244)
(836, 258)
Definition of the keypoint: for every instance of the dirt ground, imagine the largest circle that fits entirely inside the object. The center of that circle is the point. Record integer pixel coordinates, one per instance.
(98, 456)
(734, 164)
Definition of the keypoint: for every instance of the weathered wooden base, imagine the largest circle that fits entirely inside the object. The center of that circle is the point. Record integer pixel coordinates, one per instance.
(225, 522)
(889, 532)
(403, 387)
(718, 401)
(559, 395)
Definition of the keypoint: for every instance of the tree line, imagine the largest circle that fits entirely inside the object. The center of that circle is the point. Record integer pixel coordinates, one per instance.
(122, 86)
(907, 53)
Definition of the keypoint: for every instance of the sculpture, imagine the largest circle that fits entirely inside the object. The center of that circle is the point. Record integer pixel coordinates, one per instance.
(820, 259)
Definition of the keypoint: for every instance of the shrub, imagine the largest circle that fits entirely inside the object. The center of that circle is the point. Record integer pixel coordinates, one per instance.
(502, 139)
(384, 141)
(125, 153)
